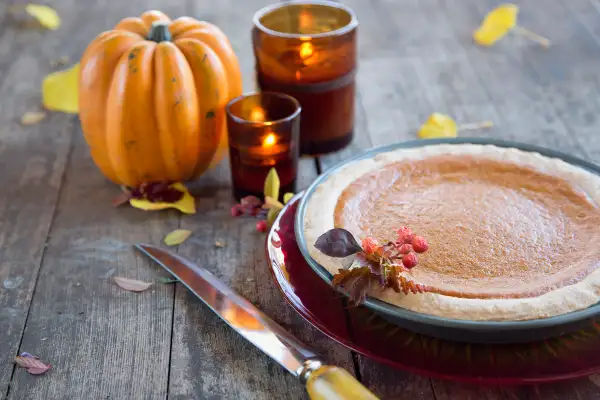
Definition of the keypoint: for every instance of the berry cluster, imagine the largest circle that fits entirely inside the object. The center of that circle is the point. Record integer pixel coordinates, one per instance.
(251, 206)
(403, 249)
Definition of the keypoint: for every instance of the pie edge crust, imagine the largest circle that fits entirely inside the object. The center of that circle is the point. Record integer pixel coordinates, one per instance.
(319, 217)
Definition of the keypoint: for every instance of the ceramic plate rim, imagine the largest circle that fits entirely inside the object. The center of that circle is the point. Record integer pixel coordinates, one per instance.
(397, 312)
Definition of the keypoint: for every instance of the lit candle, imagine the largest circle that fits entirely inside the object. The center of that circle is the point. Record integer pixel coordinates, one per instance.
(308, 50)
(263, 130)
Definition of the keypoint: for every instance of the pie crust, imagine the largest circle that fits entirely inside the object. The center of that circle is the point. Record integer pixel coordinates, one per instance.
(583, 291)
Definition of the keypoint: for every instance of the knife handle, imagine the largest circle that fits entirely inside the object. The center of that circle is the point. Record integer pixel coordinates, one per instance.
(334, 383)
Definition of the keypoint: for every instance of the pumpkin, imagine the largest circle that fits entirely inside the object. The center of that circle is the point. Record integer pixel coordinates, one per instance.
(152, 96)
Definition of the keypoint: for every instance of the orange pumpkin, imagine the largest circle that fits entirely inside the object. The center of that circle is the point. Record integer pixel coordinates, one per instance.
(152, 96)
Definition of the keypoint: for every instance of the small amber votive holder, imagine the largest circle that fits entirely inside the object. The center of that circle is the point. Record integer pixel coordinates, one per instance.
(307, 49)
(263, 131)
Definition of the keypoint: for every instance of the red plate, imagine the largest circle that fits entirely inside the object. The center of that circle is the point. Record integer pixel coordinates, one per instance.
(564, 357)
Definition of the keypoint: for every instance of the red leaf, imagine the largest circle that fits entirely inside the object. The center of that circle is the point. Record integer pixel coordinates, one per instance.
(337, 242)
(131, 285)
(355, 281)
(33, 364)
(157, 192)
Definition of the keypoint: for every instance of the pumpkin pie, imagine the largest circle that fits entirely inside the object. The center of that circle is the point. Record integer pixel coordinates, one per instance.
(513, 235)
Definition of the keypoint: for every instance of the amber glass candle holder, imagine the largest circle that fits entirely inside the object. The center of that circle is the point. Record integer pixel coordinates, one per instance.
(308, 50)
(263, 133)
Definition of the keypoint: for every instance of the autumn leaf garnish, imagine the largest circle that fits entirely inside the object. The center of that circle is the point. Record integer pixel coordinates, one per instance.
(131, 285)
(443, 126)
(356, 281)
(384, 265)
(266, 211)
(33, 364)
(161, 195)
(337, 242)
(501, 20)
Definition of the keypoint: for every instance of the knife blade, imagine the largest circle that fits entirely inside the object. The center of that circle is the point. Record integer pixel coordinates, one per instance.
(323, 382)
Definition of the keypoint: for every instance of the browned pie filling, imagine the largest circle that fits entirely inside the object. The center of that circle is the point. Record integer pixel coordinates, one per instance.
(495, 230)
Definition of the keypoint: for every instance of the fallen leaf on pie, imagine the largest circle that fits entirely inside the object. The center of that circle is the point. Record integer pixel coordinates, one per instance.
(443, 126)
(32, 364)
(131, 285)
(177, 237)
(46, 16)
(60, 90)
(32, 117)
(186, 204)
(501, 20)
(272, 183)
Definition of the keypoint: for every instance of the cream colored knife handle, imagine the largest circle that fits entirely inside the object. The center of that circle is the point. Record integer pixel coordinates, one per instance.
(334, 383)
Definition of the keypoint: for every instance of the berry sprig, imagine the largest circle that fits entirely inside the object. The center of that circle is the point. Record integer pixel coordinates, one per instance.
(402, 250)
(373, 262)
(266, 211)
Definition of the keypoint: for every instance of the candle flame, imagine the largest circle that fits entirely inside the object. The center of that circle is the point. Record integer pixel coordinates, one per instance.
(269, 140)
(257, 114)
(306, 50)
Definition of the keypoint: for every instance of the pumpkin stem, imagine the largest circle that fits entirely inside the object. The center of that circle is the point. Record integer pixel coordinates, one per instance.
(159, 32)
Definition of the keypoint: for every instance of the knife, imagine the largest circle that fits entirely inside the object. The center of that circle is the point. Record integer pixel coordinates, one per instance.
(323, 382)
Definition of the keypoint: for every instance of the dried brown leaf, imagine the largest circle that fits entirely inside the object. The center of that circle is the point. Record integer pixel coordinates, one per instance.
(32, 117)
(33, 364)
(131, 285)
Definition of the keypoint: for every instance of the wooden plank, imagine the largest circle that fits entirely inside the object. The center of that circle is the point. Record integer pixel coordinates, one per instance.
(199, 337)
(32, 161)
(102, 341)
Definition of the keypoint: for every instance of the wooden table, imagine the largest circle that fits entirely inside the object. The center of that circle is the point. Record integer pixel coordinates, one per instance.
(62, 241)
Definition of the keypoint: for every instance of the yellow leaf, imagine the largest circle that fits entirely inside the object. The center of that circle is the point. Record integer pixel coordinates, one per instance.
(272, 216)
(186, 205)
(60, 90)
(177, 237)
(46, 16)
(287, 197)
(272, 204)
(32, 117)
(272, 184)
(496, 24)
(438, 126)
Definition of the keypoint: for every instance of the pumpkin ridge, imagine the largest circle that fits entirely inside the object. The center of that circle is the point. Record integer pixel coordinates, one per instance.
(176, 110)
(220, 45)
(103, 54)
(211, 90)
(131, 126)
(134, 25)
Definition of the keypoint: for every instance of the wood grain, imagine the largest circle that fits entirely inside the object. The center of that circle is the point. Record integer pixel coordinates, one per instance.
(102, 342)
(57, 301)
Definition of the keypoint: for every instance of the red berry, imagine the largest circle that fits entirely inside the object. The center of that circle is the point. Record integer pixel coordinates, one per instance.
(409, 260)
(420, 244)
(261, 226)
(405, 235)
(236, 210)
(369, 245)
(405, 248)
